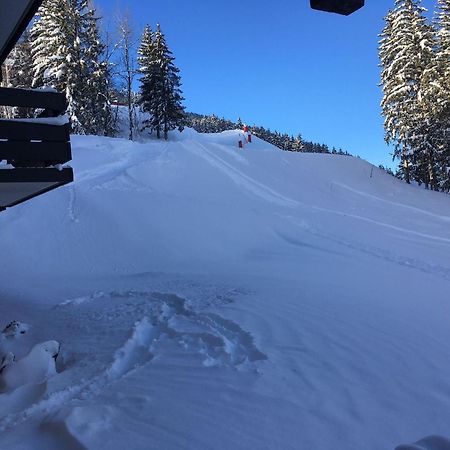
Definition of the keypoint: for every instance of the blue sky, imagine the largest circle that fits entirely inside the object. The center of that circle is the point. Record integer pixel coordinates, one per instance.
(277, 64)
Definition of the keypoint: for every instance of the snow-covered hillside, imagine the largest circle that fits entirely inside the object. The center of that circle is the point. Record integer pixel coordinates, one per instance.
(213, 298)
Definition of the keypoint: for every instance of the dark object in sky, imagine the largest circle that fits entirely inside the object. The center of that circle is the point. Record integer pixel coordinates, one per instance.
(345, 7)
(31, 147)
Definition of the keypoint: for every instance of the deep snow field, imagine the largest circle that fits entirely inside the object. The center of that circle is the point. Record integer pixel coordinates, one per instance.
(207, 297)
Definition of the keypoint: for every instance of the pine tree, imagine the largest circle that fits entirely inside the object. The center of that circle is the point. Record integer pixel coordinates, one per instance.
(406, 49)
(148, 80)
(439, 95)
(297, 145)
(66, 51)
(56, 50)
(161, 94)
(49, 47)
(16, 74)
(99, 118)
(20, 76)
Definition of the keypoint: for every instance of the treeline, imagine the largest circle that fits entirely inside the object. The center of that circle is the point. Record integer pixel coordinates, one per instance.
(213, 124)
(63, 49)
(415, 63)
(66, 50)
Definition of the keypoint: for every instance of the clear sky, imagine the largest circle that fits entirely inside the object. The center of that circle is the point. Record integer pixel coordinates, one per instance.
(277, 64)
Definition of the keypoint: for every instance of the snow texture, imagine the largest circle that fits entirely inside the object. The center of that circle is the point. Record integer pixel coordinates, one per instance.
(207, 297)
(11, 339)
(34, 368)
(429, 443)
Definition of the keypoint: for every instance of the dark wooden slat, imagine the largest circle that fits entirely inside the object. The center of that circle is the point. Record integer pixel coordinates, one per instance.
(58, 152)
(26, 98)
(26, 131)
(13, 31)
(36, 175)
(56, 177)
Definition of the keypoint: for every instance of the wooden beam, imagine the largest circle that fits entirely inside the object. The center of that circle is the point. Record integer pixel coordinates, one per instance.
(36, 175)
(49, 178)
(56, 152)
(17, 130)
(28, 98)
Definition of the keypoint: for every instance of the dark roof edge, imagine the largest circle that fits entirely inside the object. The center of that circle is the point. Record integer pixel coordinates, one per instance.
(19, 28)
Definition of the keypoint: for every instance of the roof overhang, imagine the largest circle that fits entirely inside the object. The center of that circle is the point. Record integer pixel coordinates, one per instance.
(20, 185)
(14, 19)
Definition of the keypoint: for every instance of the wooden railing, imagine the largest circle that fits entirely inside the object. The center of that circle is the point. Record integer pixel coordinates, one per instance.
(33, 147)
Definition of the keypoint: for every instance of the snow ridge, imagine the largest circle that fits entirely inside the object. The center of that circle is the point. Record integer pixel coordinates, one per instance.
(168, 323)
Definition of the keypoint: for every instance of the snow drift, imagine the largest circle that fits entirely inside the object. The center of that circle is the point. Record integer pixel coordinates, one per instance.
(210, 297)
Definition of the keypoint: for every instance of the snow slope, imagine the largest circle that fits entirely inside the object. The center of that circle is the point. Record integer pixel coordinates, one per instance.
(212, 298)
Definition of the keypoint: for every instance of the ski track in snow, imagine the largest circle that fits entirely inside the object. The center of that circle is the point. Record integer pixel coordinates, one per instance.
(340, 359)
(124, 162)
(217, 342)
(241, 179)
(385, 225)
(272, 196)
(72, 204)
(438, 270)
(389, 202)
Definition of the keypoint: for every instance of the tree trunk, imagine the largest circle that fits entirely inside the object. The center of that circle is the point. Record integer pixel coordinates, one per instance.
(127, 70)
(129, 92)
(406, 170)
(432, 172)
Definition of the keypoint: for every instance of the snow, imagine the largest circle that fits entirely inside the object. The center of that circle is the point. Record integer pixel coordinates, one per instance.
(59, 120)
(35, 368)
(12, 339)
(211, 297)
(428, 443)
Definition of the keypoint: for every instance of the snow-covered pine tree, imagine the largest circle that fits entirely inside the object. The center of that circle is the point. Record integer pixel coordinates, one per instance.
(16, 73)
(434, 104)
(47, 45)
(167, 109)
(148, 79)
(99, 118)
(406, 49)
(20, 76)
(297, 145)
(66, 52)
(56, 50)
(439, 95)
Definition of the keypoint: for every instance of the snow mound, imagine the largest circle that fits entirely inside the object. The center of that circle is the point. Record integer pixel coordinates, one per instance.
(429, 443)
(34, 368)
(12, 339)
(283, 300)
(198, 202)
